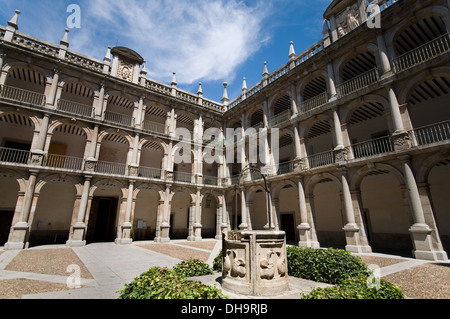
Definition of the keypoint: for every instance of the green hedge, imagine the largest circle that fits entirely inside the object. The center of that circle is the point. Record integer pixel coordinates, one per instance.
(192, 268)
(357, 288)
(162, 283)
(340, 268)
(330, 266)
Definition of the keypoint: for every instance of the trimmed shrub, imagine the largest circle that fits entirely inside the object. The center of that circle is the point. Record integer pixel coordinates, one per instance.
(217, 263)
(162, 283)
(357, 288)
(330, 266)
(192, 268)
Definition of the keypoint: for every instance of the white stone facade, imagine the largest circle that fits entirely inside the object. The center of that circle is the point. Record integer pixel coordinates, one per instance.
(87, 146)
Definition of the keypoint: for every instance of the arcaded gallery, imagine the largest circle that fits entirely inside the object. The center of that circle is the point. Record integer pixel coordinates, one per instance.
(87, 146)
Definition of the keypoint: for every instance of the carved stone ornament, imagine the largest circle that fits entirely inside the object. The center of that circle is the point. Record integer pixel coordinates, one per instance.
(273, 266)
(125, 71)
(348, 20)
(233, 265)
(401, 141)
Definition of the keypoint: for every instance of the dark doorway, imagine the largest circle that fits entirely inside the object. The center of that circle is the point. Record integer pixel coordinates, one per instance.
(6, 218)
(102, 220)
(288, 225)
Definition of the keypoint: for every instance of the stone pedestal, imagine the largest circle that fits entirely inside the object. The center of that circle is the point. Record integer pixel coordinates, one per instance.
(255, 263)
(78, 236)
(18, 237)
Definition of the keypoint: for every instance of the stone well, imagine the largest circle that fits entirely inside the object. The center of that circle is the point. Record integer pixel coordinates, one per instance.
(255, 263)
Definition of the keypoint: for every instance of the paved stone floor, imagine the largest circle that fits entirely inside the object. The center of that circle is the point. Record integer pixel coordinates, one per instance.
(45, 272)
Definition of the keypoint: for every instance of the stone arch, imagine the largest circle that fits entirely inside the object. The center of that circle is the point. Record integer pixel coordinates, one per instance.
(110, 184)
(366, 53)
(430, 11)
(50, 221)
(348, 111)
(406, 88)
(111, 131)
(27, 73)
(306, 126)
(358, 176)
(312, 181)
(281, 185)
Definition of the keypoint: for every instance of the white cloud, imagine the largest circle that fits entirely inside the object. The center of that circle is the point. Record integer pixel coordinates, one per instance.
(198, 39)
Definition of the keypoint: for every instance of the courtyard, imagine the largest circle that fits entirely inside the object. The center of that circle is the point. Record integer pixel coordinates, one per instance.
(104, 268)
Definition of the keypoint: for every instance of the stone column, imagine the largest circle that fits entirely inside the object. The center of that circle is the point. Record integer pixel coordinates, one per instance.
(385, 65)
(304, 229)
(78, 233)
(339, 140)
(352, 231)
(134, 165)
(198, 218)
(424, 193)
(159, 218)
(127, 225)
(243, 225)
(20, 231)
(165, 225)
(52, 94)
(91, 159)
(420, 231)
(219, 221)
(400, 136)
(294, 107)
(37, 153)
(101, 102)
(331, 82)
(192, 212)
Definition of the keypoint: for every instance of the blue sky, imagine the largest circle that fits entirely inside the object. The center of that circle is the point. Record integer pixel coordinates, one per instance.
(208, 41)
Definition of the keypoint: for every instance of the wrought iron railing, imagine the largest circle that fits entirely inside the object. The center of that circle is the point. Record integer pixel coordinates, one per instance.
(21, 95)
(423, 53)
(357, 83)
(8, 155)
(321, 159)
(314, 103)
(111, 168)
(210, 180)
(75, 108)
(183, 177)
(280, 118)
(285, 168)
(373, 147)
(154, 127)
(432, 133)
(149, 172)
(118, 118)
(61, 161)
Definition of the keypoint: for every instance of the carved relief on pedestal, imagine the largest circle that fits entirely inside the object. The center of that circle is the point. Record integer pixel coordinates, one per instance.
(233, 265)
(274, 266)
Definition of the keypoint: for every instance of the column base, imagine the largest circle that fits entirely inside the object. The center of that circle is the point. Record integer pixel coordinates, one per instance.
(358, 249)
(18, 237)
(423, 247)
(75, 243)
(309, 244)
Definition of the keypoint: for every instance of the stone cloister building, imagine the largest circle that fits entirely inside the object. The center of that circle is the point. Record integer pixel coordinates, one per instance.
(87, 146)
